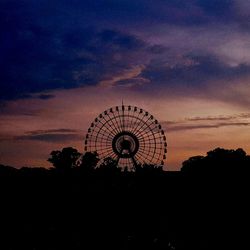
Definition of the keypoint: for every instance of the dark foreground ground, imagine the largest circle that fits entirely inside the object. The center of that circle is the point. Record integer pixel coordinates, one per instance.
(41, 210)
(102, 209)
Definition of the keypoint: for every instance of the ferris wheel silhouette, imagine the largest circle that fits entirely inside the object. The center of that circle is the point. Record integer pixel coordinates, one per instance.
(129, 135)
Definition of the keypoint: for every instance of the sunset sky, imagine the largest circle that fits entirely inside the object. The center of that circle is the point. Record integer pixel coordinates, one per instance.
(63, 62)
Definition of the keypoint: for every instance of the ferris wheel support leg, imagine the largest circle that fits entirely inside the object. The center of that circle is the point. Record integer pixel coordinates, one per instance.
(134, 161)
(117, 162)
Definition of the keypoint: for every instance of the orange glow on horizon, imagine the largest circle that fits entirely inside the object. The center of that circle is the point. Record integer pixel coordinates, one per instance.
(192, 126)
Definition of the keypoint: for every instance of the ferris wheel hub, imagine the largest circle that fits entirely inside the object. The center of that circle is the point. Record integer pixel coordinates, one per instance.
(125, 144)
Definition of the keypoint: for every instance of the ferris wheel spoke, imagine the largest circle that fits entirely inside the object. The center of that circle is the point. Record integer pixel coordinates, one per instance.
(151, 134)
(148, 125)
(145, 122)
(145, 127)
(138, 162)
(143, 131)
(106, 153)
(99, 143)
(121, 120)
(114, 127)
(103, 135)
(106, 128)
(147, 140)
(127, 120)
(142, 153)
(152, 155)
(155, 140)
(113, 156)
(142, 136)
(131, 121)
(101, 148)
(117, 122)
(136, 120)
(100, 129)
(101, 132)
(109, 154)
(114, 122)
(144, 158)
(117, 160)
(139, 159)
(139, 123)
(142, 122)
(101, 138)
(148, 147)
(118, 119)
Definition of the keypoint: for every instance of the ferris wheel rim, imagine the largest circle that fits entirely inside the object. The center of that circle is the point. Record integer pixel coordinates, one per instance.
(113, 121)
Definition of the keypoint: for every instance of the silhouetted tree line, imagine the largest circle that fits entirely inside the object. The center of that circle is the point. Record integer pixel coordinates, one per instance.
(82, 203)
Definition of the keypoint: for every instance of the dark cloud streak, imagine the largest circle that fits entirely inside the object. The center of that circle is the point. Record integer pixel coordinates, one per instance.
(207, 122)
(45, 96)
(52, 135)
(203, 126)
(49, 131)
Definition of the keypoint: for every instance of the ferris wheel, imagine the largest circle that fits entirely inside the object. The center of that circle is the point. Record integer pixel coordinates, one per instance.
(129, 135)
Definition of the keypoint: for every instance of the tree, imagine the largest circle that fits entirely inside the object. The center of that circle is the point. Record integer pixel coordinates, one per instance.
(219, 160)
(109, 165)
(148, 168)
(65, 159)
(89, 160)
(194, 164)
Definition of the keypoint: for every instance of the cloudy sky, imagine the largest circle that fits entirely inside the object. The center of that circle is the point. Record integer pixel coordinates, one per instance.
(63, 62)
